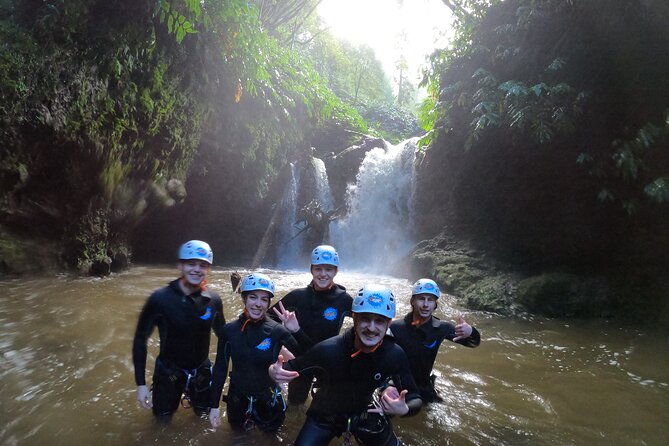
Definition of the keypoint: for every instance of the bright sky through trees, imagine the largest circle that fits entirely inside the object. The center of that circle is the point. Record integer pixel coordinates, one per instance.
(381, 24)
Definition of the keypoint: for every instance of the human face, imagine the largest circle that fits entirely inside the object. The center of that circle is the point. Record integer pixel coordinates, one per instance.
(423, 305)
(194, 272)
(370, 328)
(323, 276)
(256, 304)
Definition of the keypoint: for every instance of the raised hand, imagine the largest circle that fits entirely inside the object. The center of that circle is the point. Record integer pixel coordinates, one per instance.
(280, 375)
(392, 402)
(288, 318)
(462, 330)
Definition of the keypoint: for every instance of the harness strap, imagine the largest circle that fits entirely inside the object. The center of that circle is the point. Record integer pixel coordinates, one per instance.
(347, 434)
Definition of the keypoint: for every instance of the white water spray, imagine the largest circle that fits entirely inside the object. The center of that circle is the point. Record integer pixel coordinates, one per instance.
(377, 232)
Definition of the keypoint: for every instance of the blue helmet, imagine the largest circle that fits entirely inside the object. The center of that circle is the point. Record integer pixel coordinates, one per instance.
(426, 286)
(258, 281)
(196, 249)
(325, 255)
(376, 299)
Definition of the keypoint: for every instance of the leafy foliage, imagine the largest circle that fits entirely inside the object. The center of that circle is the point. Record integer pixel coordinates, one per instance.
(105, 104)
(544, 73)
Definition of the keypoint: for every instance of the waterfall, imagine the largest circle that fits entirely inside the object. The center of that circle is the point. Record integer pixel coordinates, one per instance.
(322, 185)
(288, 248)
(373, 235)
(288, 238)
(376, 232)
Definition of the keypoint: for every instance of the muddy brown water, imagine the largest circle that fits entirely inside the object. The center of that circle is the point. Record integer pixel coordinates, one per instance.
(66, 374)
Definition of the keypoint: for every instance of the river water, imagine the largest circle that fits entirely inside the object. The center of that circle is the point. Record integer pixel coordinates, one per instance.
(66, 374)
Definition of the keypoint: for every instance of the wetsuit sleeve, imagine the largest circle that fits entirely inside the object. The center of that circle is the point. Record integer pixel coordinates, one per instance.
(288, 303)
(219, 318)
(298, 343)
(147, 320)
(220, 371)
(403, 379)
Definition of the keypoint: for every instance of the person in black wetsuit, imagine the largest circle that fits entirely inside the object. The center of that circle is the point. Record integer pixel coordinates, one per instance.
(320, 307)
(253, 342)
(357, 369)
(420, 334)
(185, 314)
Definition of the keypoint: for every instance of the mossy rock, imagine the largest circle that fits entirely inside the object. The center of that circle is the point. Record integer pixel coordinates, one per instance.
(455, 278)
(19, 255)
(494, 293)
(557, 294)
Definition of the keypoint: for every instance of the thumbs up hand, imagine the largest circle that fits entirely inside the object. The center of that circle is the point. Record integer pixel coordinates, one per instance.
(462, 330)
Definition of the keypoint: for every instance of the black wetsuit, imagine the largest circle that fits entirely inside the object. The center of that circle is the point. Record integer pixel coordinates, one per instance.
(421, 344)
(347, 385)
(253, 347)
(182, 366)
(321, 315)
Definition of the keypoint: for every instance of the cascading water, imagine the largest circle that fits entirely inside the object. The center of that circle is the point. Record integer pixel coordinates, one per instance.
(309, 189)
(322, 185)
(374, 234)
(289, 247)
(377, 231)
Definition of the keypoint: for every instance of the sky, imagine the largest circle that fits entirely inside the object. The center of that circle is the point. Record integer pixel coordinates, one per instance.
(379, 23)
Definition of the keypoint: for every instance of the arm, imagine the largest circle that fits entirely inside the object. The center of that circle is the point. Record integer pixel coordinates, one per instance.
(219, 317)
(145, 324)
(219, 375)
(299, 342)
(406, 387)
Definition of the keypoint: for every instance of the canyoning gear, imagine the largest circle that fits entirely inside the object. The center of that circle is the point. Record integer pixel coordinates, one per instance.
(421, 345)
(266, 411)
(325, 255)
(196, 249)
(426, 286)
(253, 399)
(321, 315)
(173, 385)
(377, 299)
(347, 386)
(258, 281)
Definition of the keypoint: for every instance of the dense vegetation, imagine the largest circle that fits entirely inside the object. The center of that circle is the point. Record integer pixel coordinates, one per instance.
(548, 145)
(114, 110)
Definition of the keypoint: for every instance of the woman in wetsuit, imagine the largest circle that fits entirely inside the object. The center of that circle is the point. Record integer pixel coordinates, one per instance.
(253, 342)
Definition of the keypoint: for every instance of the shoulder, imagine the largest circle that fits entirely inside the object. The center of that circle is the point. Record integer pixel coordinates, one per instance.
(161, 295)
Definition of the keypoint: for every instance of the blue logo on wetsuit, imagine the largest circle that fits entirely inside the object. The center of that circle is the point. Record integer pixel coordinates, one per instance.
(265, 344)
(206, 315)
(431, 345)
(330, 313)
